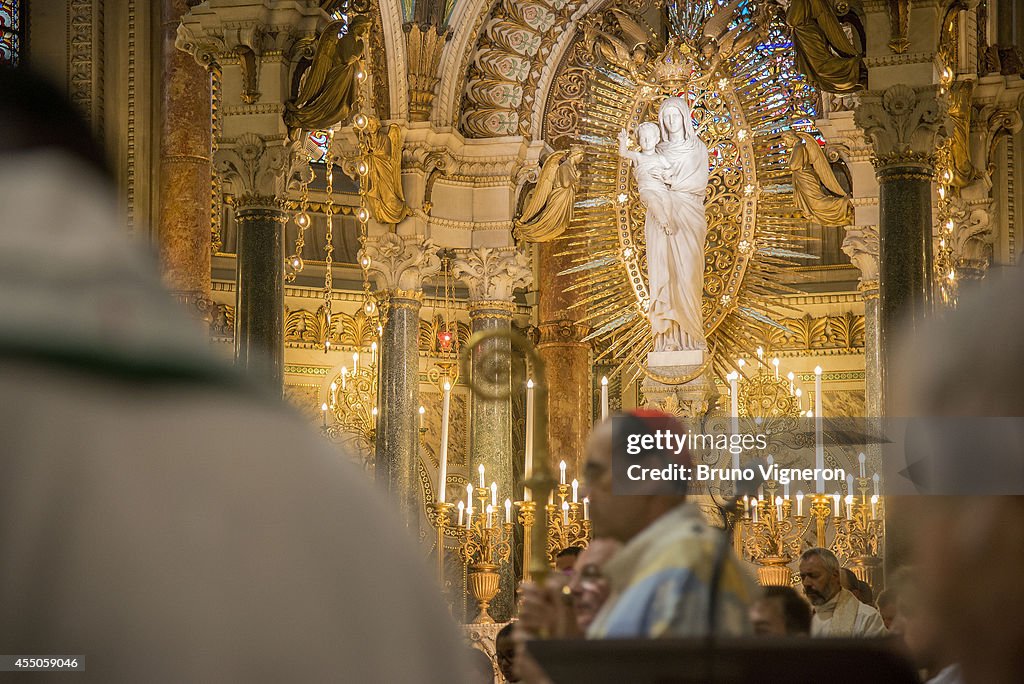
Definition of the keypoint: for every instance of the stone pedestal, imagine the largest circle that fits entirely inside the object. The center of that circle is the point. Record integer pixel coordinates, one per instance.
(690, 399)
(397, 433)
(259, 312)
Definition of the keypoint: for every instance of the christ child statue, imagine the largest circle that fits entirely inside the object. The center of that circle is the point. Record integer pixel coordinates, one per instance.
(649, 169)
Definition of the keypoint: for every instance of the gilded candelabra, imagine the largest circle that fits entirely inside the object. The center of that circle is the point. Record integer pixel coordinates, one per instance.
(568, 522)
(859, 535)
(352, 401)
(774, 534)
(487, 544)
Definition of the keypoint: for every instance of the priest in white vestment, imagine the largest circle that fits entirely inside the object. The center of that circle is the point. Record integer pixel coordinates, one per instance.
(837, 612)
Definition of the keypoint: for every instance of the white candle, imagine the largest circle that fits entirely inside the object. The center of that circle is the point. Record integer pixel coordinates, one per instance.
(799, 503)
(604, 398)
(462, 511)
(775, 362)
(423, 412)
(849, 506)
(819, 448)
(469, 517)
(323, 409)
(344, 376)
(746, 505)
(876, 479)
(373, 353)
(490, 514)
(442, 478)
(734, 409)
(835, 502)
(528, 466)
(778, 507)
(760, 356)
(785, 489)
(561, 472)
(508, 510)
(481, 469)
(874, 503)
(753, 510)
(469, 497)
(494, 494)
(586, 508)
(575, 490)
(862, 458)
(565, 512)
(799, 399)
(790, 377)
(355, 363)
(849, 485)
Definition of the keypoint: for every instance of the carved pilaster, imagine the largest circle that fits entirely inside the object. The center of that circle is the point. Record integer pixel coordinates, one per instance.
(493, 274)
(424, 45)
(401, 264)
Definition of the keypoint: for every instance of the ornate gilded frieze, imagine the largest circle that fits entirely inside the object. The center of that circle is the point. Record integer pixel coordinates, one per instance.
(843, 332)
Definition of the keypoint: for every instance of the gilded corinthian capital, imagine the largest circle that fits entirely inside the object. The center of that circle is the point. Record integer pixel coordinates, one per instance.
(493, 274)
(256, 166)
(903, 124)
(401, 263)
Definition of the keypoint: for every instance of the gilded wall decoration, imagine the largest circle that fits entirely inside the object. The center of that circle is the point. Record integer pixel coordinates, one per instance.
(842, 332)
(305, 399)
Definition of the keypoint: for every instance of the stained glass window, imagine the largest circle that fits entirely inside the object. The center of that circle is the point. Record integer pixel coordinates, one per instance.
(10, 31)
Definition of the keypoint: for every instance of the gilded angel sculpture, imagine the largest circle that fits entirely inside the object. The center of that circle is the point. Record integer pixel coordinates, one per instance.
(815, 187)
(823, 50)
(329, 88)
(549, 204)
(381, 151)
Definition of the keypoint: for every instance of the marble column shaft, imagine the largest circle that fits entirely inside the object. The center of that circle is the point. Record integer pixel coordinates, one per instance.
(905, 256)
(397, 448)
(259, 312)
(185, 164)
(491, 427)
(567, 361)
(872, 352)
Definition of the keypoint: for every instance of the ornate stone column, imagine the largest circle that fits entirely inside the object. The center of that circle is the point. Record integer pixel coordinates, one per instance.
(259, 170)
(861, 244)
(185, 166)
(567, 359)
(400, 266)
(252, 44)
(902, 124)
(492, 275)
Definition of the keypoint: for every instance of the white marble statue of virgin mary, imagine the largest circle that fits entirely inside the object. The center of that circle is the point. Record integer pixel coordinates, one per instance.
(675, 252)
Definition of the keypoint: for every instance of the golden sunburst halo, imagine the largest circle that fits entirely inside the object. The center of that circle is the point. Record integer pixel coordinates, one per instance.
(740, 109)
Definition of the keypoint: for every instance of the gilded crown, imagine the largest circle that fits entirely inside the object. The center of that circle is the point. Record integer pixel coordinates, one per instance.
(674, 66)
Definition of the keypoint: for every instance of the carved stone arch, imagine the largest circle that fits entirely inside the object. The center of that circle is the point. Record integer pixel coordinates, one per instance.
(468, 19)
(553, 65)
(397, 63)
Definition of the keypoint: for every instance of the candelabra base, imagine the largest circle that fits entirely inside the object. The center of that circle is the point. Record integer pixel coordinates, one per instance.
(773, 571)
(483, 582)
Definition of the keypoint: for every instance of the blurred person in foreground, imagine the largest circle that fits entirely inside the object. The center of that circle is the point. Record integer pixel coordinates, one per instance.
(918, 628)
(779, 612)
(857, 587)
(837, 612)
(157, 515)
(505, 652)
(660, 581)
(566, 559)
(967, 549)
